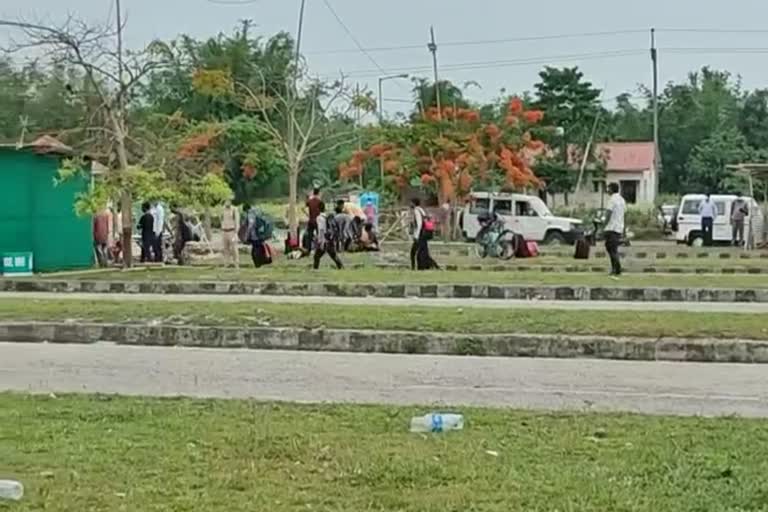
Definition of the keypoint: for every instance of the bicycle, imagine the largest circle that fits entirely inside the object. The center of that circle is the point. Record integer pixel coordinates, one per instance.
(496, 242)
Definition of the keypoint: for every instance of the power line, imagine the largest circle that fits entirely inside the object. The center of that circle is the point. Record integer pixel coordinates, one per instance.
(360, 47)
(481, 42)
(510, 63)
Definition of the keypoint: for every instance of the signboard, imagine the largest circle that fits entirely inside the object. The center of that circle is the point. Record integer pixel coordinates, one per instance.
(369, 202)
(17, 264)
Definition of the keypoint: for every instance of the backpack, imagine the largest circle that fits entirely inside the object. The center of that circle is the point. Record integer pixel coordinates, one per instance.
(262, 229)
(428, 225)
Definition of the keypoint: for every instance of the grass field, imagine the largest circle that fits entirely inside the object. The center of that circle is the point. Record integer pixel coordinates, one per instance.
(485, 321)
(300, 272)
(107, 453)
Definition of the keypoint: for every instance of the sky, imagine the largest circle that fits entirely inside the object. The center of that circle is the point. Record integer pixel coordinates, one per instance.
(615, 61)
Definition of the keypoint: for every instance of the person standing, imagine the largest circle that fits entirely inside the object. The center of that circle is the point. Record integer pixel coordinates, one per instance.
(313, 212)
(614, 229)
(259, 235)
(147, 230)
(158, 214)
(327, 231)
(230, 224)
(183, 236)
(739, 212)
(708, 213)
(101, 231)
(420, 232)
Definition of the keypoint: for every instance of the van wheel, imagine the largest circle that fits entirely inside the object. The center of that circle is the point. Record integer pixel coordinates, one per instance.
(695, 240)
(554, 238)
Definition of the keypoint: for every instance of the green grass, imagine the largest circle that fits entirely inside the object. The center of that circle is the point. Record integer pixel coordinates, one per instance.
(487, 321)
(300, 272)
(108, 453)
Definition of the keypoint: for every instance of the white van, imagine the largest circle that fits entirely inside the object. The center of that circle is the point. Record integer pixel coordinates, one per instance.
(689, 221)
(524, 215)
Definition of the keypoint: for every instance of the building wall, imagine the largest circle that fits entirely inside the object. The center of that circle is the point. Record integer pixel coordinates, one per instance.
(37, 215)
(593, 194)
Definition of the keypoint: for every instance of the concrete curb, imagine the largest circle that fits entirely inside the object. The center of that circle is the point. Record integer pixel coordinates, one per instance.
(580, 269)
(632, 254)
(395, 342)
(427, 291)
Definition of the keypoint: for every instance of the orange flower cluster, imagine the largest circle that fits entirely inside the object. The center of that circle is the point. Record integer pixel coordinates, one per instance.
(196, 145)
(249, 171)
(453, 158)
(516, 112)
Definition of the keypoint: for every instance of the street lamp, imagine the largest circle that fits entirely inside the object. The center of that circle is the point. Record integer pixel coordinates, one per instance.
(383, 79)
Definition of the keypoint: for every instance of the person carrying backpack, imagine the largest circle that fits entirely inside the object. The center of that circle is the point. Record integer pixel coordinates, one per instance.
(260, 232)
(422, 230)
(327, 237)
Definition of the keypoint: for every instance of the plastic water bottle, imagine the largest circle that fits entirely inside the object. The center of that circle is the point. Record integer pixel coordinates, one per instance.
(11, 490)
(437, 422)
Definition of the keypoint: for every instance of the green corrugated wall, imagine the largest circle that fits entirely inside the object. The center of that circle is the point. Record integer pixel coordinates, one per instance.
(37, 215)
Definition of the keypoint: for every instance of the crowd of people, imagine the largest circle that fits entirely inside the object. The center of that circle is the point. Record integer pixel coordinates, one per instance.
(346, 228)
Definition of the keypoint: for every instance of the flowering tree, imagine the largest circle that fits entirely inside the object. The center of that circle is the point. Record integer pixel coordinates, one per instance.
(452, 150)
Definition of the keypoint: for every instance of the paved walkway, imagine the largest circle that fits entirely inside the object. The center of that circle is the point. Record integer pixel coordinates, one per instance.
(411, 301)
(655, 388)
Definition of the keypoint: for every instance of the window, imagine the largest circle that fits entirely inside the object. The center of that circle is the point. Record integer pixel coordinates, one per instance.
(629, 190)
(523, 209)
(480, 205)
(720, 208)
(691, 207)
(502, 207)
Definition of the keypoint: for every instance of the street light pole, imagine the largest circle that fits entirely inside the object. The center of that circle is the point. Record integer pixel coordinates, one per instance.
(381, 92)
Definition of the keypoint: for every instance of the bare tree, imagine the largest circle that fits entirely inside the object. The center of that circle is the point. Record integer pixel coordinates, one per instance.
(304, 124)
(110, 74)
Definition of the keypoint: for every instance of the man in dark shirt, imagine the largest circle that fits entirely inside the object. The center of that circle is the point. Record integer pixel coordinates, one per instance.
(147, 230)
(313, 212)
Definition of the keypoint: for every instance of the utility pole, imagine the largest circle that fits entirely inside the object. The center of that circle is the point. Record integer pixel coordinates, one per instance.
(299, 33)
(433, 48)
(656, 151)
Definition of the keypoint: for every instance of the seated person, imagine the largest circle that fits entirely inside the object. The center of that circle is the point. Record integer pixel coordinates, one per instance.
(369, 242)
(486, 220)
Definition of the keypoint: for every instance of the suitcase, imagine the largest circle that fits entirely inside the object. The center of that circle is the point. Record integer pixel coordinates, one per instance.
(582, 250)
(533, 249)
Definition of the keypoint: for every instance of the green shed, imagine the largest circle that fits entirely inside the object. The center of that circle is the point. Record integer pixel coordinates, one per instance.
(36, 214)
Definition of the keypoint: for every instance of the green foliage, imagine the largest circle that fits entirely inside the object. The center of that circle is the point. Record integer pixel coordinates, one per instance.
(690, 113)
(707, 171)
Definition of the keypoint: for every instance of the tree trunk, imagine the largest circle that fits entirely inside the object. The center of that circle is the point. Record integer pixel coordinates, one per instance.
(207, 225)
(126, 201)
(293, 199)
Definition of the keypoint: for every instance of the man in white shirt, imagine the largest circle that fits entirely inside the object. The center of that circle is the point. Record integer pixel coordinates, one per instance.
(158, 213)
(708, 212)
(614, 229)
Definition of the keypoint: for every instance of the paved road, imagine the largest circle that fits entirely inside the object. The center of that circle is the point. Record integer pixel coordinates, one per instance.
(656, 388)
(412, 301)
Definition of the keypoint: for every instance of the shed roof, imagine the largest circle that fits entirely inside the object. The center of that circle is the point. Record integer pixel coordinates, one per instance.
(45, 145)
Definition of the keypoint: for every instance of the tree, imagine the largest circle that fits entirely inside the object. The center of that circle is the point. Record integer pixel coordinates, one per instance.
(426, 97)
(753, 119)
(707, 167)
(301, 122)
(690, 113)
(111, 75)
(573, 118)
(628, 123)
(451, 151)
